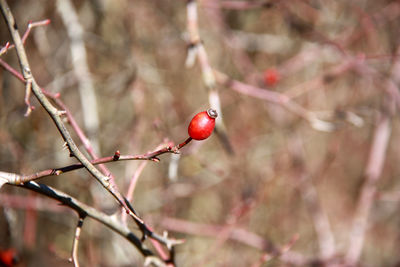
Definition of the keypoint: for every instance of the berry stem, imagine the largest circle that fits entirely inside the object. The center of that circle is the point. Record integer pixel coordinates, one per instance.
(184, 143)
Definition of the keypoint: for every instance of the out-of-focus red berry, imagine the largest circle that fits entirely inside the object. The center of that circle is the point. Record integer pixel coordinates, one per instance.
(271, 77)
(8, 257)
(202, 124)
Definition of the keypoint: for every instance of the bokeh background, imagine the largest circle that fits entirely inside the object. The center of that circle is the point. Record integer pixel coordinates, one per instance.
(286, 178)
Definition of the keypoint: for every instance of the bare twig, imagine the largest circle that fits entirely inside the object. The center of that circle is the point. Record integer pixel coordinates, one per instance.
(237, 234)
(11, 70)
(373, 169)
(372, 173)
(196, 47)
(132, 186)
(309, 194)
(152, 156)
(81, 69)
(75, 243)
(276, 98)
(31, 25)
(241, 59)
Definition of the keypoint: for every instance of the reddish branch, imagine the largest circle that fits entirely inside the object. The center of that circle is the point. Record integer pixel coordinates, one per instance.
(373, 169)
(152, 156)
(366, 199)
(276, 98)
(237, 234)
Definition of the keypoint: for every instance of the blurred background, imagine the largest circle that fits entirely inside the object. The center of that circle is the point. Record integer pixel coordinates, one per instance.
(312, 178)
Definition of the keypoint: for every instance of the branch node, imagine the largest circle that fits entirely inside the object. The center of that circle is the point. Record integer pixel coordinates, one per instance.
(4, 48)
(65, 146)
(27, 72)
(116, 156)
(155, 159)
(61, 112)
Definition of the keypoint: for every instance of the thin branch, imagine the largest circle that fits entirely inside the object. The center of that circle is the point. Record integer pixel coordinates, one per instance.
(31, 25)
(132, 186)
(11, 70)
(196, 47)
(75, 243)
(70, 19)
(17, 179)
(322, 226)
(237, 234)
(276, 98)
(372, 174)
(374, 167)
(240, 58)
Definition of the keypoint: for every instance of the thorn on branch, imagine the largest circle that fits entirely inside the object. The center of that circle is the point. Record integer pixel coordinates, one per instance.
(173, 149)
(65, 147)
(155, 159)
(61, 112)
(4, 48)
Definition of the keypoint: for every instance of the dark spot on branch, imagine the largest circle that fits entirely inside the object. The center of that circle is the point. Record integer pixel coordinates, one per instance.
(128, 204)
(194, 43)
(340, 114)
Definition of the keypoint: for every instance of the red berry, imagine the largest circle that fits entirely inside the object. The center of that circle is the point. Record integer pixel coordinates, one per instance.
(202, 124)
(271, 77)
(8, 257)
